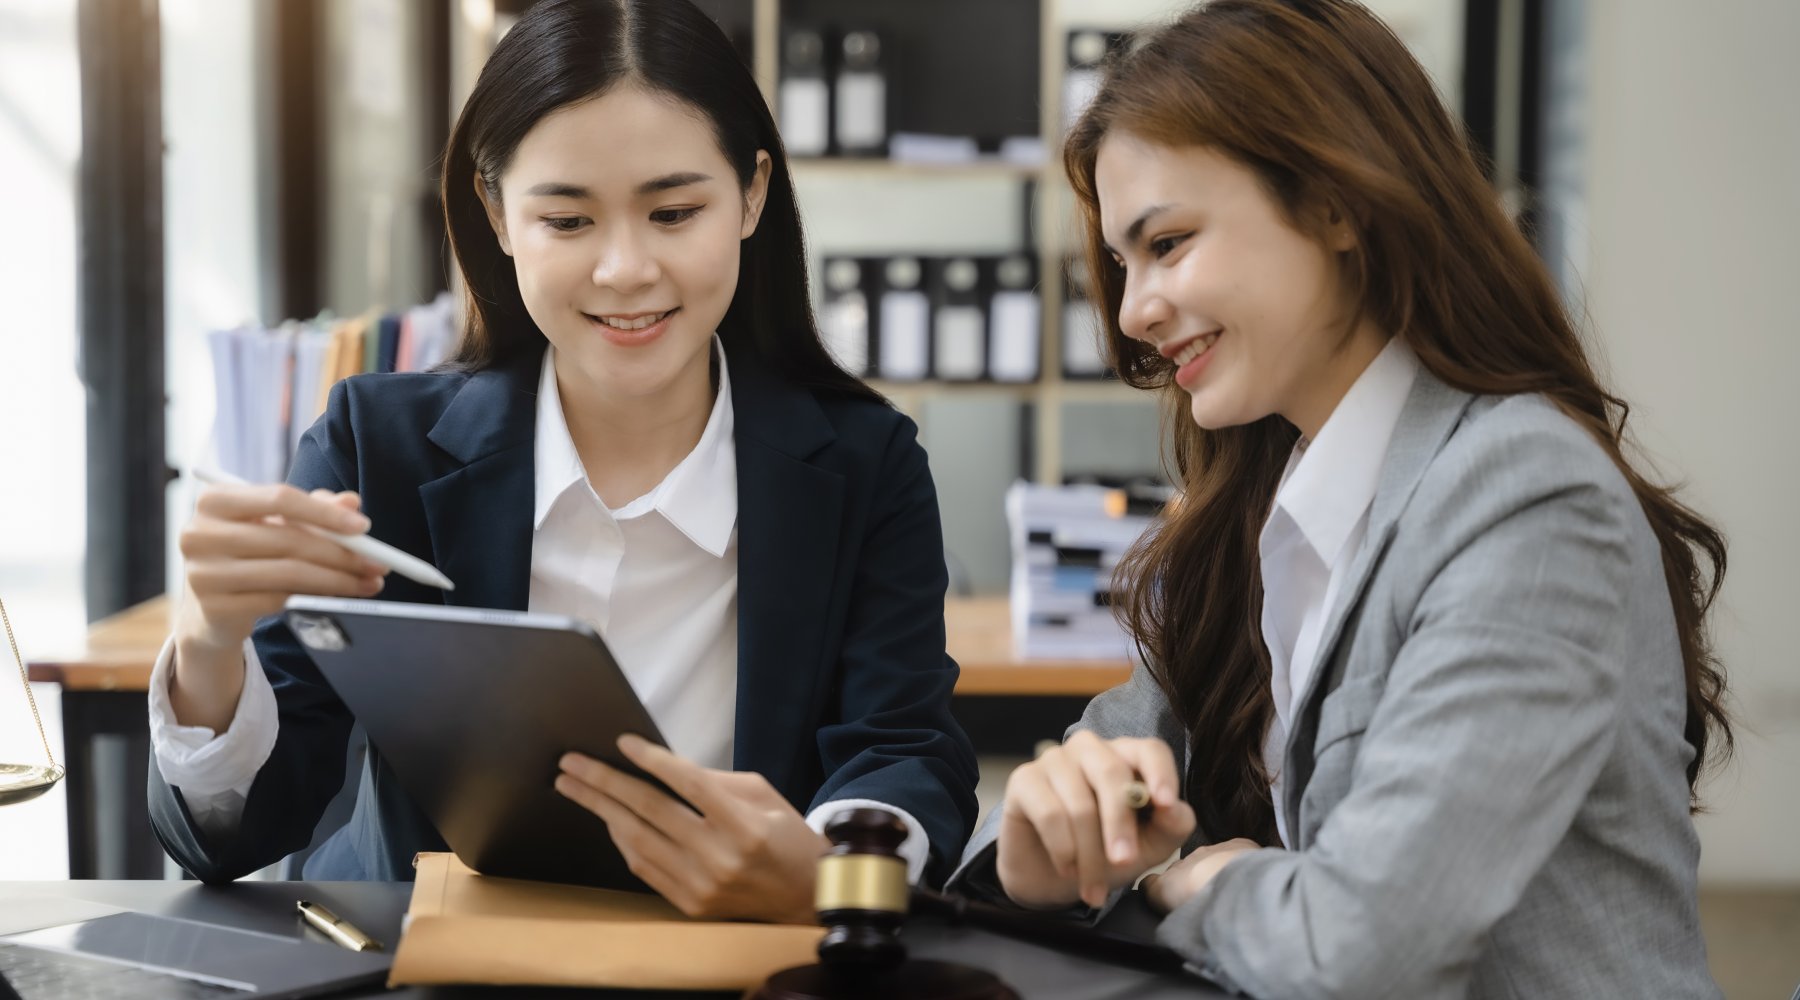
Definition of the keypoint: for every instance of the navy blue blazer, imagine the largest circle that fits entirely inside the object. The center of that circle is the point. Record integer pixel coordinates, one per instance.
(843, 683)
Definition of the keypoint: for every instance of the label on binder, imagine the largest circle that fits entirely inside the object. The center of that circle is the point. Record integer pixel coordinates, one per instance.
(1083, 354)
(846, 328)
(905, 336)
(861, 111)
(959, 342)
(1014, 340)
(805, 116)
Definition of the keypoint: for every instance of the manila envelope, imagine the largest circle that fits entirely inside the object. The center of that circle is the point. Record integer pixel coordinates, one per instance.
(463, 927)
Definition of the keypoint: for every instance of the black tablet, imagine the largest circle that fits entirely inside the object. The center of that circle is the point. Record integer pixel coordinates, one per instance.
(472, 709)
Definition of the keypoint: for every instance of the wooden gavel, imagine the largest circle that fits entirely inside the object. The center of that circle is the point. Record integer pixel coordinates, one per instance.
(862, 901)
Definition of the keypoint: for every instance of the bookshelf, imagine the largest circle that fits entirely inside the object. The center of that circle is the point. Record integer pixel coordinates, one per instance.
(1051, 222)
(995, 190)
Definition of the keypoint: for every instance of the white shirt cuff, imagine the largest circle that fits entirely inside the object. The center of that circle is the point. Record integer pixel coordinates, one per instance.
(916, 848)
(213, 771)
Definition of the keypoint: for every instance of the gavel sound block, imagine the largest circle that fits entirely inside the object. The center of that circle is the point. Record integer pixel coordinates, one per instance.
(862, 901)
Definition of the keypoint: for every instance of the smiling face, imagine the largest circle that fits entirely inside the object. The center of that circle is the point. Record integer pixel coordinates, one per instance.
(624, 218)
(1219, 281)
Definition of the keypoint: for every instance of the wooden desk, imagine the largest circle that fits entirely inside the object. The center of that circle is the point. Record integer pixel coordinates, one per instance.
(120, 650)
(1006, 704)
(117, 655)
(980, 640)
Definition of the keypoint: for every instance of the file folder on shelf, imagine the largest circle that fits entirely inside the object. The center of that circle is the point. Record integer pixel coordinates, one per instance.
(803, 98)
(860, 117)
(959, 320)
(1084, 62)
(1083, 346)
(1015, 321)
(846, 319)
(905, 323)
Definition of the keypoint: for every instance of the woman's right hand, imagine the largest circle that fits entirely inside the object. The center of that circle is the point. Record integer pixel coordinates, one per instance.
(1067, 833)
(244, 555)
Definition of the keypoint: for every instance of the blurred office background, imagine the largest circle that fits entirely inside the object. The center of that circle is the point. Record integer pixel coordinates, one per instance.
(175, 168)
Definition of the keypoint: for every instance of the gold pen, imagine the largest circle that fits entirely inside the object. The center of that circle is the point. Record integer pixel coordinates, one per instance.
(336, 928)
(1137, 799)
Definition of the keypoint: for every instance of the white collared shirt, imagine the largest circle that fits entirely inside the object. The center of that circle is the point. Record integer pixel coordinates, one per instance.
(657, 577)
(1316, 525)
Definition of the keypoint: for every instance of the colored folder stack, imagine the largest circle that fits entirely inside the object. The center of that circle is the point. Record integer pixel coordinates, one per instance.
(271, 383)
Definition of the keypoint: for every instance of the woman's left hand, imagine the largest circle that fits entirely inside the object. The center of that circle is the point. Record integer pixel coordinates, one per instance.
(1185, 878)
(746, 853)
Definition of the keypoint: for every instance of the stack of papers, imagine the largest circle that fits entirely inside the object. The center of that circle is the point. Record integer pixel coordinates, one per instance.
(1066, 543)
(272, 383)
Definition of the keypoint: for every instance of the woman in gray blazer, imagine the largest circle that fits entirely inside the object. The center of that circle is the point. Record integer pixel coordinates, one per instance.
(1426, 684)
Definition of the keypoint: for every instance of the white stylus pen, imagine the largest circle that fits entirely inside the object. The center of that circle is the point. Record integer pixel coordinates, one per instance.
(376, 551)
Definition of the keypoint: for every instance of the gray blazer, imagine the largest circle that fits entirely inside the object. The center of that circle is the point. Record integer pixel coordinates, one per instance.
(1486, 778)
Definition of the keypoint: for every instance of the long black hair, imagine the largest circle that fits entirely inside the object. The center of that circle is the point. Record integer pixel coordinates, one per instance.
(564, 52)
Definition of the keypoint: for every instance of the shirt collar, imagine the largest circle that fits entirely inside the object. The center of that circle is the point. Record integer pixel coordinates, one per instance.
(698, 496)
(1331, 481)
(558, 464)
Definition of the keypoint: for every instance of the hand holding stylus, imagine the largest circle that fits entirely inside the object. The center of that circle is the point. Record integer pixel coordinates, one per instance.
(246, 550)
(375, 550)
(1070, 827)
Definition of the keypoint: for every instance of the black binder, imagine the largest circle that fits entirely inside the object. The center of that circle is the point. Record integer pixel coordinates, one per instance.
(1084, 60)
(848, 315)
(862, 96)
(803, 98)
(904, 322)
(1015, 320)
(958, 320)
(1083, 352)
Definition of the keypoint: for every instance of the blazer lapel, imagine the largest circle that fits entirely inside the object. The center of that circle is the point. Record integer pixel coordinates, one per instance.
(1431, 412)
(790, 514)
(479, 514)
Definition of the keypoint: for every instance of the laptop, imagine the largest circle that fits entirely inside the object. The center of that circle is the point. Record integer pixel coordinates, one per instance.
(148, 957)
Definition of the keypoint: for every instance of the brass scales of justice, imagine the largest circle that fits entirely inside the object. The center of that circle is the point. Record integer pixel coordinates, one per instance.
(24, 782)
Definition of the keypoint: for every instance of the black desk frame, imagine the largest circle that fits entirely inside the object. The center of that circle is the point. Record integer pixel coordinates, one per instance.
(126, 845)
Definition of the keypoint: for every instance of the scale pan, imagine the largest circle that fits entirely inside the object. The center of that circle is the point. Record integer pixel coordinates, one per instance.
(23, 782)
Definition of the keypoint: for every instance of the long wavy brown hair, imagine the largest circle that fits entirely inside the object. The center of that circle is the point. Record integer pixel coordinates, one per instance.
(1328, 108)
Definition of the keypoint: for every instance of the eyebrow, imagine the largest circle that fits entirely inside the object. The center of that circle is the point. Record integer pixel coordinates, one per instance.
(667, 182)
(557, 189)
(671, 181)
(1135, 231)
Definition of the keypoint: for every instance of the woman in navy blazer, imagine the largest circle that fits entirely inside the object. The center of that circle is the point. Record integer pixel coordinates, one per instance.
(614, 189)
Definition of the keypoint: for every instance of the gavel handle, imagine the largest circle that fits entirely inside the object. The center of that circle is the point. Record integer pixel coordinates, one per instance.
(1062, 935)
